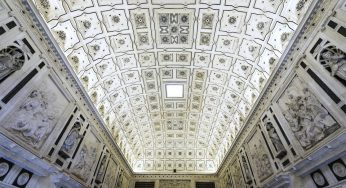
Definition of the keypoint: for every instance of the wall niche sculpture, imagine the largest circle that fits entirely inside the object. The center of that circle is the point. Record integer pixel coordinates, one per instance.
(35, 118)
(334, 60)
(11, 59)
(307, 118)
(71, 141)
(280, 150)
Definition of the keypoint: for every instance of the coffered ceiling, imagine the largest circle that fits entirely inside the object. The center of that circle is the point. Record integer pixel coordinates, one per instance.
(173, 80)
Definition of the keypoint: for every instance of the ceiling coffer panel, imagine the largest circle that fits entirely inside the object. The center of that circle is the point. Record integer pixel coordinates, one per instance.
(173, 81)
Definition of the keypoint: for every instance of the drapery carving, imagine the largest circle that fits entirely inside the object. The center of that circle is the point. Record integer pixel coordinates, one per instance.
(308, 119)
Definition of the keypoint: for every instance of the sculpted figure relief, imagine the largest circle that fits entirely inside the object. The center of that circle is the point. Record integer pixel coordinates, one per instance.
(35, 118)
(175, 183)
(110, 177)
(85, 161)
(261, 160)
(237, 175)
(11, 60)
(335, 59)
(275, 139)
(246, 168)
(307, 118)
(72, 137)
(101, 171)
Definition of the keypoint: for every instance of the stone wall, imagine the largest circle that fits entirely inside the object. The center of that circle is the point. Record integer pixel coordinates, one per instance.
(296, 136)
(49, 135)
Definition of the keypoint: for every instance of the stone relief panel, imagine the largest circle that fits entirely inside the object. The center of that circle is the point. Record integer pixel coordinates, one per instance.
(100, 174)
(307, 118)
(274, 138)
(110, 176)
(333, 59)
(71, 141)
(175, 184)
(259, 156)
(237, 174)
(83, 164)
(12, 59)
(35, 118)
(246, 169)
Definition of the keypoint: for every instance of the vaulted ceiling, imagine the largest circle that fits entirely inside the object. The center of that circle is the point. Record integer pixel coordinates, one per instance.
(173, 80)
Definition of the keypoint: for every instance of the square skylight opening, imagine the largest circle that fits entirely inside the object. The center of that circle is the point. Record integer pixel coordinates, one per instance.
(174, 90)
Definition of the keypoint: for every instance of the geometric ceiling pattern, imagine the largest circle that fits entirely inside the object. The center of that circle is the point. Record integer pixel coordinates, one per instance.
(173, 80)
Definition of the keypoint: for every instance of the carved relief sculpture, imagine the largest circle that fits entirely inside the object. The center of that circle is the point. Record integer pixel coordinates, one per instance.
(110, 176)
(230, 181)
(71, 141)
(335, 59)
(247, 171)
(101, 171)
(85, 161)
(275, 139)
(308, 119)
(35, 118)
(237, 175)
(259, 156)
(11, 60)
(175, 183)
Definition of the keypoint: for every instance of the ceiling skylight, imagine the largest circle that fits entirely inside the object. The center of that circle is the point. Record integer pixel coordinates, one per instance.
(174, 90)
